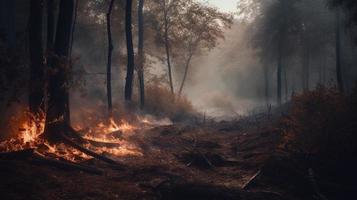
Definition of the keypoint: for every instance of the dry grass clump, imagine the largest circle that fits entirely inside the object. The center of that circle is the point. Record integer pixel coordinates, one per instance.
(161, 102)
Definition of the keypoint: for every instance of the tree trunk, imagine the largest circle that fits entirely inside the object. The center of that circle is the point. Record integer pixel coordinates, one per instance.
(36, 91)
(167, 48)
(141, 53)
(279, 79)
(57, 89)
(286, 84)
(109, 62)
(130, 52)
(10, 30)
(67, 116)
(338, 53)
(187, 65)
(305, 76)
(266, 85)
(50, 26)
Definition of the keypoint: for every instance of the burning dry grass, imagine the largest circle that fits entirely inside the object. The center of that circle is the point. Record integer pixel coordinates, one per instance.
(110, 137)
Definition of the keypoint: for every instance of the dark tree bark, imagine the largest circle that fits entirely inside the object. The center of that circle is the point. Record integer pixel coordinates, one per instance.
(36, 90)
(279, 79)
(141, 61)
(9, 24)
(130, 52)
(109, 61)
(50, 26)
(306, 68)
(57, 85)
(266, 85)
(305, 61)
(67, 116)
(167, 46)
(338, 53)
(286, 84)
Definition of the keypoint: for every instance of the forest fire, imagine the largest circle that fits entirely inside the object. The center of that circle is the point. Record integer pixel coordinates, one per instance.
(111, 137)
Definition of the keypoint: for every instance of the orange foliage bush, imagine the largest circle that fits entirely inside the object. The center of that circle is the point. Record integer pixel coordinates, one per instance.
(160, 102)
(321, 122)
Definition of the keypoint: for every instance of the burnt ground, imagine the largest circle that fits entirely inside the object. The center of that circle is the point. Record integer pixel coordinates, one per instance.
(217, 161)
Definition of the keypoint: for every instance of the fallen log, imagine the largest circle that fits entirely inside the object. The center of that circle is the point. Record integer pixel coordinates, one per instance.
(68, 141)
(63, 164)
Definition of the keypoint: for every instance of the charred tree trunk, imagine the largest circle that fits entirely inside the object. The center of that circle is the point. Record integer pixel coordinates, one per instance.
(57, 89)
(109, 61)
(167, 48)
(50, 26)
(9, 24)
(338, 53)
(67, 116)
(130, 51)
(141, 53)
(36, 92)
(187, 65)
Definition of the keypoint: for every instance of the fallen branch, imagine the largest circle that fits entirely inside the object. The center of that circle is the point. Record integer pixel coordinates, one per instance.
(251, 179)
(65, 165)
(68, 141)
(102, 144)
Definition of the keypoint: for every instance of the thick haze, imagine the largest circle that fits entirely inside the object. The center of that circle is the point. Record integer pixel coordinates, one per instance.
(227, 80)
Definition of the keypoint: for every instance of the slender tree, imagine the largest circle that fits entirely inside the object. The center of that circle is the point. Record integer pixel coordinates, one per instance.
(166, 19)
(130, 51)
(141, 57)
(36, 91)
(338, 53)
(109, 61)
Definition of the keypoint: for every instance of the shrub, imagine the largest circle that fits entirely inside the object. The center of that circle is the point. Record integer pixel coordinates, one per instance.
(161, 102)
(321, 123)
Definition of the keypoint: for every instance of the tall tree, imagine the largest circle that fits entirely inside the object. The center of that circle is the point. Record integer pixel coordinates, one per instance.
(166, 13)
(141, 57)
(36, 90)
(50, 26)
(109, 61)
(274, 35)
(9, 14)
(58, 72)
(130, 51)
(338, 52)
(198, 28)
(166, 6)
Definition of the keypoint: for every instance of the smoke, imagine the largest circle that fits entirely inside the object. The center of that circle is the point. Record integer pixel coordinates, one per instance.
(227, 81)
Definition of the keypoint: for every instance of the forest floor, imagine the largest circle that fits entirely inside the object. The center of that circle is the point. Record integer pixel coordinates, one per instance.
(213, 161)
